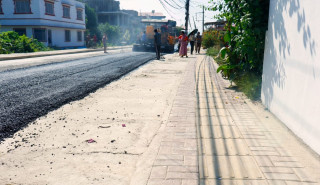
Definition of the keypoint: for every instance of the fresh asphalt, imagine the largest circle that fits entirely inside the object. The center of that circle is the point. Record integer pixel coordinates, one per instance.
(29, 93)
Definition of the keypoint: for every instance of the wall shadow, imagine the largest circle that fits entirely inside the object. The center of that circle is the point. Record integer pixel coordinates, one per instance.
(278, 46)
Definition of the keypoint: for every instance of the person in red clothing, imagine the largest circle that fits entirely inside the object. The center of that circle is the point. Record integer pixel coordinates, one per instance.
(95, 39)
(183, 39)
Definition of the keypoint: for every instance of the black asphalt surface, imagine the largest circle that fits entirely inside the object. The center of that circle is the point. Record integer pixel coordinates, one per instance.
(26, 94)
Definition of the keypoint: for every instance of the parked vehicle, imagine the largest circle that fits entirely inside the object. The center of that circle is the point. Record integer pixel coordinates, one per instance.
(165, 27)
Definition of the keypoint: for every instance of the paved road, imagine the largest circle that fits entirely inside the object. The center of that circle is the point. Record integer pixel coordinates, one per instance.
(29, 93)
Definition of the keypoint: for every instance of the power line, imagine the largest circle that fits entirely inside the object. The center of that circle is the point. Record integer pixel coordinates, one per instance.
(178, 5)
(187, 14)
(166, 9)
(171, 5)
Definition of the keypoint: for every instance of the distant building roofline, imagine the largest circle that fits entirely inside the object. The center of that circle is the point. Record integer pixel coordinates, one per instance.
(116, 12)
(154, 21)
(157, 14)
(215, 23)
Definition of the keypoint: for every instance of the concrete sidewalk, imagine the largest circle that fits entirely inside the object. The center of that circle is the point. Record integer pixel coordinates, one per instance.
(15, 56)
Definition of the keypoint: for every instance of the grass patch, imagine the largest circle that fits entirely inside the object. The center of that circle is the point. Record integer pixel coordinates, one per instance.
(214, 52)
(250, 85)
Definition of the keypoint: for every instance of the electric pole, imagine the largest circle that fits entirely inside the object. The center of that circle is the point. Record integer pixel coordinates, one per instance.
(187, 14)
(202, 19)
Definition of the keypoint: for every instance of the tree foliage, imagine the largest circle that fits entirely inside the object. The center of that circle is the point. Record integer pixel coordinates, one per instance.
(247, 22)
(212, 38)
(11, 42)
(91, 18)
(113, 32)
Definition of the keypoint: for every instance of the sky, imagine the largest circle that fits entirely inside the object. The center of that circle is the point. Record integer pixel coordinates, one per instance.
(172, 13)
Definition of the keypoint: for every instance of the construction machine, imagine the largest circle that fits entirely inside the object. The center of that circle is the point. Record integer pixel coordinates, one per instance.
(165, 27)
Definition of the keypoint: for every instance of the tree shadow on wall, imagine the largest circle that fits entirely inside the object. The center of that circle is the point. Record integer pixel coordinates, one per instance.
(278, 47)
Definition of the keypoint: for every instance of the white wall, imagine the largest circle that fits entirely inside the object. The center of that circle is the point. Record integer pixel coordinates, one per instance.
(38, 17)
(291, 74)
(58, 38)
(8, 10)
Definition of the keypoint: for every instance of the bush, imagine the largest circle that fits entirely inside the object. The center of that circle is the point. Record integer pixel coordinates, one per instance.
(250, 85)
(213, 38)
(247, 23)
(11, 42)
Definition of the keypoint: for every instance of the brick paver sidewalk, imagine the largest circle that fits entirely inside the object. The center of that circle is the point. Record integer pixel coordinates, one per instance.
(241, 143)
(215, 136)
(177, 162)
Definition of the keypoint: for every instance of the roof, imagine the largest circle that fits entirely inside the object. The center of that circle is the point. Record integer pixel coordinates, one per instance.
(115, 12)
(145, 14)
(215, 23)
(154, 21)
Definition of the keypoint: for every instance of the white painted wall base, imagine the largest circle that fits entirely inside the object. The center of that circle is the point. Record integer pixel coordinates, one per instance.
(291, 71)
(58, 39)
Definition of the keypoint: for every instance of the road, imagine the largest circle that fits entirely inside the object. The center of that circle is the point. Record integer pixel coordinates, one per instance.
(29, 93)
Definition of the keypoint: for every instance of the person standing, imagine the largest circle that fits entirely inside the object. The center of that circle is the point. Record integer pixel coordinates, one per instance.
(157, 43)
(95, 39)
(183, 39)
(144, 37)
(198, 42)
(104, 41)
(192, 39)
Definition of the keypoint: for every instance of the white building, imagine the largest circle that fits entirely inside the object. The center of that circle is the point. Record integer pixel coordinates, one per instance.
(59, 23)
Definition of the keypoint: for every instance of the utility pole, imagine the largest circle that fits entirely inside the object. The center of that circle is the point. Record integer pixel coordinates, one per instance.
(202, 19)
(187, 14)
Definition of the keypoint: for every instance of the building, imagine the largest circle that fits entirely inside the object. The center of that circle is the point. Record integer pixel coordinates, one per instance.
(219, 25)
(108, 11)
(54, 23)
(152, 15)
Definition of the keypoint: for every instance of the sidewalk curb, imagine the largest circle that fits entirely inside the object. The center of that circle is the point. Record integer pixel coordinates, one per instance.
(41, 54)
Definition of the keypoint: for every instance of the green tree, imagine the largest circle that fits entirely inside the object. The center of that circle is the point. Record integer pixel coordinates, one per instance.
(91, 20)
(247, 22)
(113, 32)
(126, 36)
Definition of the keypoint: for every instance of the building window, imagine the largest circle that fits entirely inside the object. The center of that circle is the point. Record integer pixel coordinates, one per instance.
(22, 7)
(67, 36)
(79, 36)
(79, 14)
(1, 12)
(20, 31)
(49, 7)
(66, 11)
(40, 34)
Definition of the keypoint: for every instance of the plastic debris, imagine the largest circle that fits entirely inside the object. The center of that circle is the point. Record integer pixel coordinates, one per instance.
(104, 126)
(123, 125)
(90, 141)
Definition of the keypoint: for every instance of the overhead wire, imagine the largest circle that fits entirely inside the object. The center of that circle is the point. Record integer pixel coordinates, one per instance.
(166, 9)
(178, 5)
(171, 6)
